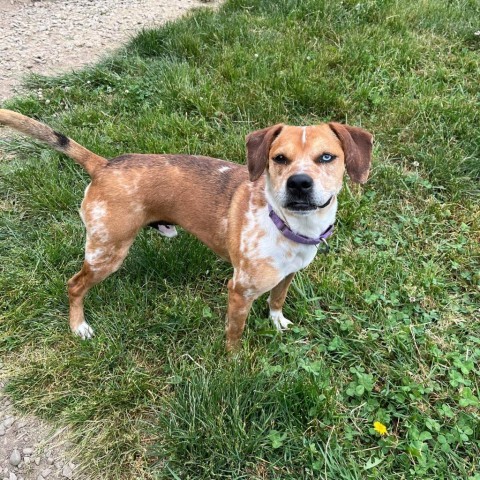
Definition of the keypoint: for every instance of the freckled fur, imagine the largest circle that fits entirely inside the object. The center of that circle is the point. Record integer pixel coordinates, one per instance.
(223, 204)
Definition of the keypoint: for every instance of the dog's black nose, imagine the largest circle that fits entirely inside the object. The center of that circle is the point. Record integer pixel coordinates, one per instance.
(299, 184)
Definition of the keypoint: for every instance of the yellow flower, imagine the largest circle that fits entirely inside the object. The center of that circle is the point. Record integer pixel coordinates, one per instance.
(380, 428)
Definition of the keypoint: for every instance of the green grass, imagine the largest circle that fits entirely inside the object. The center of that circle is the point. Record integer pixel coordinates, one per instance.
(387, 325)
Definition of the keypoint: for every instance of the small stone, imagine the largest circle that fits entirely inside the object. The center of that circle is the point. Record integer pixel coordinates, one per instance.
(8, 422)
(27, 451)
(26, 460)
(46, 472)
(50, 461)
(12, 476)
(2, 431)
(37, 461)
(67, 472)
(22, 424)
(40, 478)
(15, 458)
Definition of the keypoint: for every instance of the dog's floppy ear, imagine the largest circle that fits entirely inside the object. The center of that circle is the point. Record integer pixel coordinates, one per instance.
(258, 148)
(357, 145)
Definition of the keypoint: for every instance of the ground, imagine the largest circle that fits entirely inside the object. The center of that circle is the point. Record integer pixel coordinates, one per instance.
(47, 37)
(50, 37)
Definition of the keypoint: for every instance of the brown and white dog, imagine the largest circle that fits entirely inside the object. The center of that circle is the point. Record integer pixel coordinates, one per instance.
(298, 171)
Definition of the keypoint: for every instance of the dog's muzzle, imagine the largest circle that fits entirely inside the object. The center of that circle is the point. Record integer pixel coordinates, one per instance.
(299, 194)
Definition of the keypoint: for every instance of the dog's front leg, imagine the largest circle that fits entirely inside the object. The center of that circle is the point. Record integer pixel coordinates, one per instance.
(239, 303)
(276, 300)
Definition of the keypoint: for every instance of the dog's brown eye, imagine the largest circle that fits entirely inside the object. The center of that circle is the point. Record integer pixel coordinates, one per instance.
(280, 159)
(326, 157)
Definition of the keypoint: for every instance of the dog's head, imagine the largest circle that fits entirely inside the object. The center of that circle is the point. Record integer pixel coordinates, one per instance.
(305, 165)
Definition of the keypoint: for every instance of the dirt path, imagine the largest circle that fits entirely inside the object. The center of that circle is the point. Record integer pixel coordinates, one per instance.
(32, 449)
(51, 37)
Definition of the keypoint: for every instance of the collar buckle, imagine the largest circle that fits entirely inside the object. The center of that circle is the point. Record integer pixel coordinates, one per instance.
(323, 246)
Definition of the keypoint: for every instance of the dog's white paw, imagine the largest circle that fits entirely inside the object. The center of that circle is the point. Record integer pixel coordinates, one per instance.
(168, 231)
(84, 331)
(279, 321)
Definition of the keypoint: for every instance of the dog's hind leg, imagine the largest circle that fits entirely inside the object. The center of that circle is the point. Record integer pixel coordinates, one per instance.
(111, 229)
(101, 260)
(164, 229)
(168, 231)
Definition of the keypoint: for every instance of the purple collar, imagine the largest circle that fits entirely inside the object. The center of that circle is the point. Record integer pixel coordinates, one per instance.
(295, 237)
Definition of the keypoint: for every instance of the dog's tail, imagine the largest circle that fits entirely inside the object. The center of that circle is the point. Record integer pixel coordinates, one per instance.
(87, 159)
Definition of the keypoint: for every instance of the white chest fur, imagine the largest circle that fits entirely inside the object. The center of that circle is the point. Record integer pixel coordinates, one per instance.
(261, 241)
(287, 256)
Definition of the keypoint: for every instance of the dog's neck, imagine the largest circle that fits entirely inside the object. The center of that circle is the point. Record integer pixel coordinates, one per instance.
(310, 225)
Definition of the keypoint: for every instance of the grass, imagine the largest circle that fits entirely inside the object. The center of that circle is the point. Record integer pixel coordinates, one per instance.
(387, 325)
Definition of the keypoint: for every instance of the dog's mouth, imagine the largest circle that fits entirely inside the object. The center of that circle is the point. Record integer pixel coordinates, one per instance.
(297, 206)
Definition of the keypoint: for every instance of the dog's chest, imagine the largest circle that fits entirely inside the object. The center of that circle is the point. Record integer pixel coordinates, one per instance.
(261, 241)
(290, 258)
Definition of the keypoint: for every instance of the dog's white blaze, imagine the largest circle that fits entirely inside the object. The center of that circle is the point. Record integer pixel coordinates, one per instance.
(304, 136)
(223, 169)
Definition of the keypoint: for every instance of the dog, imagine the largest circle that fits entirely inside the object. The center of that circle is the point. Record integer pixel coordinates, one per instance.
(267, 218)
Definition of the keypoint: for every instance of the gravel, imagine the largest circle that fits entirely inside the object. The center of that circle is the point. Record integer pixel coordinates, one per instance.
(52, 37)
(30, 448)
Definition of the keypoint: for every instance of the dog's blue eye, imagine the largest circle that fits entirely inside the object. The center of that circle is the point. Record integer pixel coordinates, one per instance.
(326, 157)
